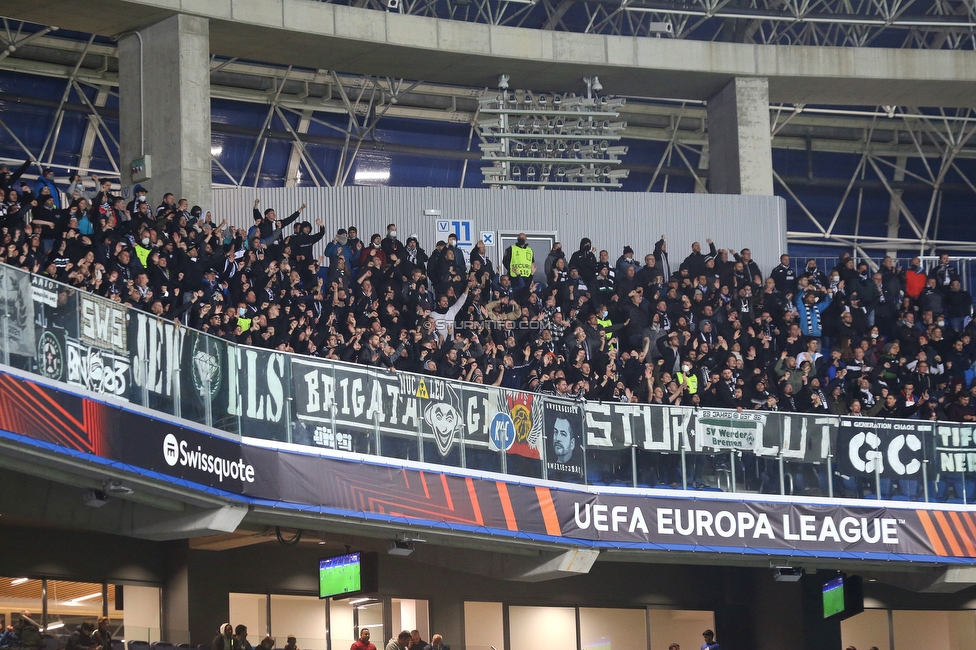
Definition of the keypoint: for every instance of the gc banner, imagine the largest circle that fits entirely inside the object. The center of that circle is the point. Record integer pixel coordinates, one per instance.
(867, 445)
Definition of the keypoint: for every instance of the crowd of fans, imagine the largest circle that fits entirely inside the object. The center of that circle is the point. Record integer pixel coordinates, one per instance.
(708, 328)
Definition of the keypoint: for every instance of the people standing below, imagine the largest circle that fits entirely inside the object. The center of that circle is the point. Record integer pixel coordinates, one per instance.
(518, 259)
(416, 643)
(437, 643)
(292, 643)
(47, 180)
(267, 643)
(81, 638)
(401, 642)
(362, 643)
(103, 635)
(240, 633)
(28, 630)
(709, 643)
(944, 273)
(225, 639)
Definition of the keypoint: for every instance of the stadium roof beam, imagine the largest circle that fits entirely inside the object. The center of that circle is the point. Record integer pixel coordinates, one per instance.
(387, 43)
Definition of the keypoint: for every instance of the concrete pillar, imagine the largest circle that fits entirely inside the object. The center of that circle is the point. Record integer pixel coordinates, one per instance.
(174, 127)
(739, 141)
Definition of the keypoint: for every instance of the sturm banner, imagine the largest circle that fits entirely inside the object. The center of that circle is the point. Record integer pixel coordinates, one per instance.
(671, 429)
(893, 448)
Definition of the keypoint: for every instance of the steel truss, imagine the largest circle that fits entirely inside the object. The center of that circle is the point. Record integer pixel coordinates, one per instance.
(884, 138)
(917, 24)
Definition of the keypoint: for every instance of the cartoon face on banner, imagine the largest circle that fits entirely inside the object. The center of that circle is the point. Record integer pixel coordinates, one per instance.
(442, 411)
(563, 427)
(446, 424)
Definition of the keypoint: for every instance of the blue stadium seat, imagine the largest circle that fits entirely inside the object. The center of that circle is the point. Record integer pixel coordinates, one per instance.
(138, 645)
(937, 490)
(955, 489)
(908, 490)
(886, 489)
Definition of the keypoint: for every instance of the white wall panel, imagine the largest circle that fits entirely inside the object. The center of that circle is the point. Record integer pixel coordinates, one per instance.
(611, 219)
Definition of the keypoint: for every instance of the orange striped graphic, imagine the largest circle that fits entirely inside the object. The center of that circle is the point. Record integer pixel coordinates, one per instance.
(930, 531)
(447, 492)
(963, 534)
(423, 481)
(506, 506)
(548, 511)
(968, 518)
(940, 518)
(474, 502)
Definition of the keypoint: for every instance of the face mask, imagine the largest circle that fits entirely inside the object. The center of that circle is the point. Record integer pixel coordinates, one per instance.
(941, 323)
(521, 242)
(80, 187)
(376, 245)
(145, 241)
(685, 368)
(835, 278)
(874, 336)
(452, 242)
(392, 234)
(342, 239)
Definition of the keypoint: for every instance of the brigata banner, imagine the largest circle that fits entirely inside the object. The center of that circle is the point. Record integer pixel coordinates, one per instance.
(343, 407)
(31, 413)
(955, 448)
(894, 448)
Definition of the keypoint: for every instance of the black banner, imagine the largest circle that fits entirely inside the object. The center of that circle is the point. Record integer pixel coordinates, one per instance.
(955, 448)
(564, 440)
(892, 447)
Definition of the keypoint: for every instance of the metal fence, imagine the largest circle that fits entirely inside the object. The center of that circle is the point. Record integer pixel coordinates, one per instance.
(966, 266)
(129, 356)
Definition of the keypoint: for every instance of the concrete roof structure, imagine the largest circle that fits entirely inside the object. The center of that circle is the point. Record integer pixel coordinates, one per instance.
(328, 36)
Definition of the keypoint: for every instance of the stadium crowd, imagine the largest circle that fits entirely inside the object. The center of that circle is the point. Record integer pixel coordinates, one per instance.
(708, 328)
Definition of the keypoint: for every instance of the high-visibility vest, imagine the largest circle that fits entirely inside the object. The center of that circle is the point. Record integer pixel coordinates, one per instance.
(521, 265)
(143, 255)
(691, 379)
(605, 323)
(245, 324)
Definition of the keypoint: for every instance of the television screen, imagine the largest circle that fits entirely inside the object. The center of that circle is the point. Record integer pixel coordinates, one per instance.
(347, 575)
(833, 597)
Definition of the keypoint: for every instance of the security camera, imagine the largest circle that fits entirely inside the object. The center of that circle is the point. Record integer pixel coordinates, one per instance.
(660, 28)
(392, 4)
(502, 81)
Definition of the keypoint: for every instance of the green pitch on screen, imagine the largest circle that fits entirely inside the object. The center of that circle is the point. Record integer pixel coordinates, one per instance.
(833, 598)
(340, 577)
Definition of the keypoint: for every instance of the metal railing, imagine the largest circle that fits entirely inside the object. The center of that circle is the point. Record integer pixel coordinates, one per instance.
(86, 341)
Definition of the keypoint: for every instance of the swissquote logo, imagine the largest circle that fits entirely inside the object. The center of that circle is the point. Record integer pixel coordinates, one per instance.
(177, 452)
